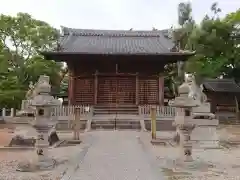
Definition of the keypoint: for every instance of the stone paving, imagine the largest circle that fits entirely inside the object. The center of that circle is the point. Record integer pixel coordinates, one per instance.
(116, 155)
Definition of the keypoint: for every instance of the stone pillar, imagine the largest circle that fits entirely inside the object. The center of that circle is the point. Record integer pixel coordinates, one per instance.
(42, 145)
(76, 124)
(12, 112)
(185, 144)
(153, 122)
(3, 112)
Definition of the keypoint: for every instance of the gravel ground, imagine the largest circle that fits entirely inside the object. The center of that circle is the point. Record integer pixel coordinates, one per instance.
(211, 164)
(225, 163)
(10, 159)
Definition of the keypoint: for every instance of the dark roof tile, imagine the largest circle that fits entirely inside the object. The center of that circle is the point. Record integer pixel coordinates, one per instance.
(221, 85)
(115, 41)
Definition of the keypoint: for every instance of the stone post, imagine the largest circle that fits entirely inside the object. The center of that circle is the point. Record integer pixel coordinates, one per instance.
(185, 144)
(3, 112)
(12, 112)
(76, 124)
(42, 145)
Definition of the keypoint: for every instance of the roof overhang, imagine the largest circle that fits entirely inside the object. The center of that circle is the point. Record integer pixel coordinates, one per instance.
(221, 86)
(68, 56)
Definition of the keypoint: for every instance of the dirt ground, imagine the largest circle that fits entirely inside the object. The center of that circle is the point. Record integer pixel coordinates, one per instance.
(209, 164)
(9, 159)
(6, 134)
(220, 164)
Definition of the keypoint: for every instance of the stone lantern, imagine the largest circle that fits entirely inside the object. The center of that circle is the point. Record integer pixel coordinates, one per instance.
(184, 121)
(43, 104)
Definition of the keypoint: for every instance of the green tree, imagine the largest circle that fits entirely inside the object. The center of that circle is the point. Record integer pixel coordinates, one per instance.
(21, 40)
(217, 46)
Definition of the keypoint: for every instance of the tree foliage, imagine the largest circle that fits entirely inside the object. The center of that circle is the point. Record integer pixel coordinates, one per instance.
(22, 38)
(215, 40)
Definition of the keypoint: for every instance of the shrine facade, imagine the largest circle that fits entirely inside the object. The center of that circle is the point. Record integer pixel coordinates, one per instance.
(115, 67)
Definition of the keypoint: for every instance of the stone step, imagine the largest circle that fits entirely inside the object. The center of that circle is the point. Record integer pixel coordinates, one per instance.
(114, 112)
(118, 124)
(114, 117)
(122, 109)
(115, 109)
(115, 106)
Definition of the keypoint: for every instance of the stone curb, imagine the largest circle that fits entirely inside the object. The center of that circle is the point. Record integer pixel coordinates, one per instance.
(151, 158)
(6, 148)
(76, 161)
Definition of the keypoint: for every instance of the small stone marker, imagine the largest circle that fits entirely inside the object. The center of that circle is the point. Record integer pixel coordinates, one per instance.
(76, 124)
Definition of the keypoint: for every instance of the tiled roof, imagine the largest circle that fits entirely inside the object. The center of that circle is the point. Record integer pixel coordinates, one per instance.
(88, 41)
(221, 85)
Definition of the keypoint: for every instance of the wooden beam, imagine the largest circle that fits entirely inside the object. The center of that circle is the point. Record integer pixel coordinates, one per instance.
(137, 89)
(71, 89)
(95, 87)
(161, 90)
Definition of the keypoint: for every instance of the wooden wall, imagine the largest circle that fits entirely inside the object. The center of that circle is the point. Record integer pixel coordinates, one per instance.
(96, 82)
(221, 101)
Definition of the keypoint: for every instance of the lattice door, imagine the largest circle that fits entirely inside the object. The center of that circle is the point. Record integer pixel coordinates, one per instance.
(126, 90)
(116, 90)
(107, 90)
(148, 90)
(84, 90)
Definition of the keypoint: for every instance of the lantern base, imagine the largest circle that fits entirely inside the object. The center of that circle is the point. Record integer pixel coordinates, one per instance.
(46, 164)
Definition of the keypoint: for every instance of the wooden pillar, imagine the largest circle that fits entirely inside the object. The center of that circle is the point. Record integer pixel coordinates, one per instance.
(71, 84)
(71, 89)
(137, 89)
(74, 84)
(95, 87)
(161, 90)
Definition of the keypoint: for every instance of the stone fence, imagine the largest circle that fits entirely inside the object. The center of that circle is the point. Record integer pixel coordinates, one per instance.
(86, 110)
(7, 112)
(164, 115)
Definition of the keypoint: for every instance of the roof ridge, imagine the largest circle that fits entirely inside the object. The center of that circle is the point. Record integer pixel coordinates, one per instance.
(112, 33)
(220, 80)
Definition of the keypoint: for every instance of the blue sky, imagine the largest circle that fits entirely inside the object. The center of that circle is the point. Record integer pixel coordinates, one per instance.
(111, 14)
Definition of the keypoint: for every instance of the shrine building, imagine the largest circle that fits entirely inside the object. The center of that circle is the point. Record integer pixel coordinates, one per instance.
(116, 67)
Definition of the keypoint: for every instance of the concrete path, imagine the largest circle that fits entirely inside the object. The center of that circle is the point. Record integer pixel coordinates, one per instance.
(116, 155)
